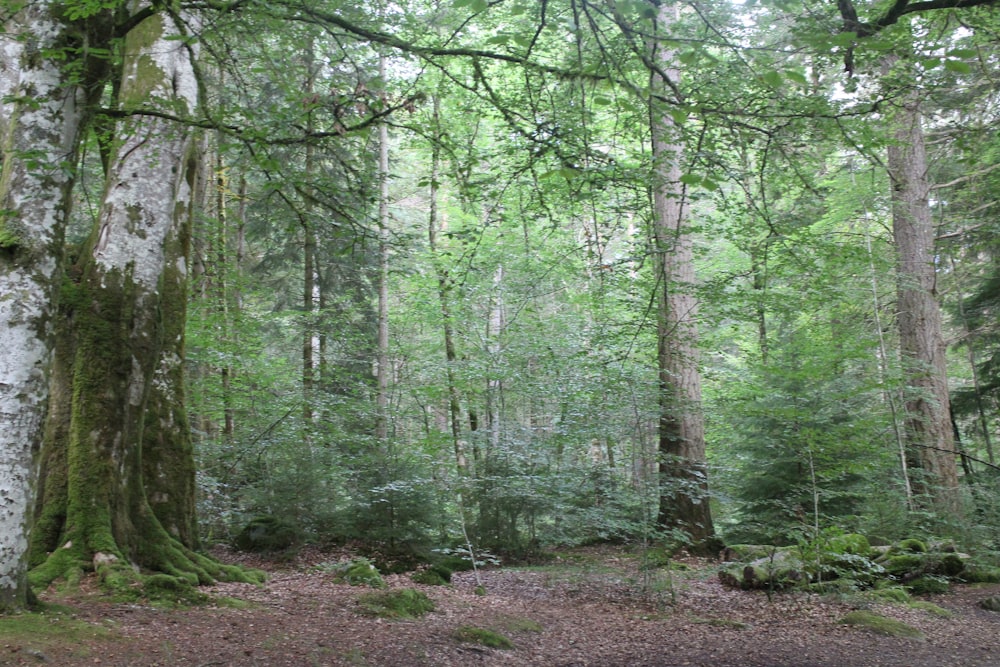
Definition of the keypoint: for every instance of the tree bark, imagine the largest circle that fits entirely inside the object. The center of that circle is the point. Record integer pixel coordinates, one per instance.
(121, 295)
(47, 105)
(684, 501)
(928, 422)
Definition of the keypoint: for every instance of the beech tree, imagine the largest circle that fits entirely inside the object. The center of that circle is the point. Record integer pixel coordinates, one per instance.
(50, 81)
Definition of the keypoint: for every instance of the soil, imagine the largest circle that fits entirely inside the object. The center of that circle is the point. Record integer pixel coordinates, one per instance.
(590, 607)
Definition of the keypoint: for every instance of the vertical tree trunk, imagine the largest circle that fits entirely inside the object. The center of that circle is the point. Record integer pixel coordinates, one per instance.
(928, 421)
(47, 102)
(121, 291)
(684, 501)
(382, 365)
(444, 286)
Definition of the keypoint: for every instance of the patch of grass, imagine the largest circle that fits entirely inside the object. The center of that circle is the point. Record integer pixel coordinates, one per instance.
(37, 633)
(404, 603)
(932, 609)
(892, 594)
(472, 635)
(520, 624)
(880, 625)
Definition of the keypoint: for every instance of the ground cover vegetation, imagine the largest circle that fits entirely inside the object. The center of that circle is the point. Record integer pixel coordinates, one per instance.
(458, 282)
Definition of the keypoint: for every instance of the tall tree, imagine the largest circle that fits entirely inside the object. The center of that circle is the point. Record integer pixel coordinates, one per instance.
(118, 300)
(684, 501)
(52, 76)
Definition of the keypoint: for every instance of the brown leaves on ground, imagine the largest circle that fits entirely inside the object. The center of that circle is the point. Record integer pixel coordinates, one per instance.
(592, 607)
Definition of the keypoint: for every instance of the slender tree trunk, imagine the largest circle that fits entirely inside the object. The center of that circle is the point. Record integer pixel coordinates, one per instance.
(444, 286)
(684, 501)
(46, 105)
(928, 422)
(382, 365)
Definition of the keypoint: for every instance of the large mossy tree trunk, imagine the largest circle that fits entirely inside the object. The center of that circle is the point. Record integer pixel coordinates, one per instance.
(684, 504)
(47, 87)
(127, 327)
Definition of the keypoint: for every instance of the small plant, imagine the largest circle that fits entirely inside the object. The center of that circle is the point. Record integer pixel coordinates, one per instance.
(489, 638)
(880, 625)
(404, 603)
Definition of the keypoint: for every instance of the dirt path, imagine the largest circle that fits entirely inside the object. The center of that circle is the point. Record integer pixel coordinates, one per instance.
(594, 610)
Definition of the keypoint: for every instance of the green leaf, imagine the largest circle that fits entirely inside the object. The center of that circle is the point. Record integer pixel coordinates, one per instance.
(963, 53)
(773, 78)
(957, 66)
(796, 76)
(691, 179)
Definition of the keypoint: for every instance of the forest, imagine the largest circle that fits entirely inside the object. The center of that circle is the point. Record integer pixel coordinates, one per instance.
(492, 277)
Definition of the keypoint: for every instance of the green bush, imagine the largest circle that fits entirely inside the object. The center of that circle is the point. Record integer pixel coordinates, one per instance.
(264, 534)
(435, 575)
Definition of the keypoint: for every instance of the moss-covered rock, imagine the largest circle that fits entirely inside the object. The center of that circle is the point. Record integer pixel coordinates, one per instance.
(991, 603)
(911, 546)
(849, 543)
(405, 603)
(928, 585)
(357, 572)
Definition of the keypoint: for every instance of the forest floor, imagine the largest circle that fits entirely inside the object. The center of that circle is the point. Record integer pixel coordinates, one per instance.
(589, 607)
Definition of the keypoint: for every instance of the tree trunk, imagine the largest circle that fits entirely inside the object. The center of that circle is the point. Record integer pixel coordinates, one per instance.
(684, 502)
(48, 105)
(928, 422)
(120, 299)
(382, 361)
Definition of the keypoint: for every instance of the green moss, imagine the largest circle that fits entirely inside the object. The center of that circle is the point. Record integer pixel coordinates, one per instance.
(455, 563)
(400, 604)
(983, 574)
(432, 576)
(357, 572)
(37, 633)
(892, 593)
(991, 603)
(520, 624)
(472, 635)
(932, 609)
(880, 625)
(928, 585)
(912, 545)
(904, 565)
(849, 543)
